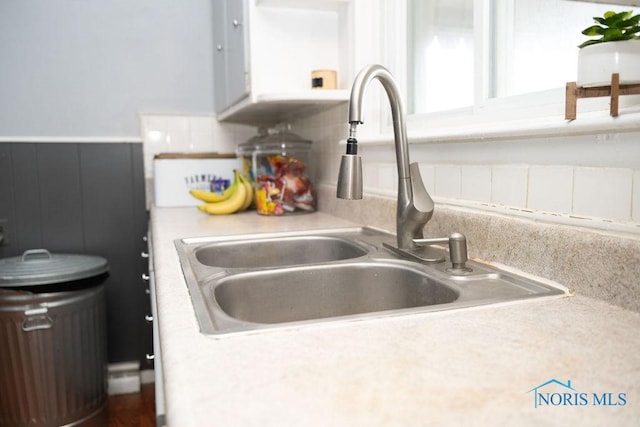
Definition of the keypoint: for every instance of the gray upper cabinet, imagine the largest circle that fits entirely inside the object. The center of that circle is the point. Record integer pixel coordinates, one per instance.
(231, 81)
(266, 51)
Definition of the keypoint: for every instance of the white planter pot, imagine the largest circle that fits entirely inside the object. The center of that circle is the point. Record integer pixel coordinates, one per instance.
(597, 62)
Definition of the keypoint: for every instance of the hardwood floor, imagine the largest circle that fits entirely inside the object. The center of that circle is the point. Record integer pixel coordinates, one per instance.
(134, 409)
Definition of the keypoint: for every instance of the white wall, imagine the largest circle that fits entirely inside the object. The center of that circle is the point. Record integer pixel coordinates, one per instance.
(87, 68)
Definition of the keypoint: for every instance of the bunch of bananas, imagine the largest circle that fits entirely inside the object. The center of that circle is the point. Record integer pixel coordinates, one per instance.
(236, 198)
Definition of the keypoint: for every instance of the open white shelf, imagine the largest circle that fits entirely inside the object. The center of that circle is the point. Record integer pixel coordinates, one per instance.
(333, 5)
(269, 108)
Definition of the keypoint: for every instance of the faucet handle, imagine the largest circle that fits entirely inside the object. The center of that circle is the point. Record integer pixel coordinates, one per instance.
(421, 198)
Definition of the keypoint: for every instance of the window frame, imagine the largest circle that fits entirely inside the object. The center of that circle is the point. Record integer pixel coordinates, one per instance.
(536, 114)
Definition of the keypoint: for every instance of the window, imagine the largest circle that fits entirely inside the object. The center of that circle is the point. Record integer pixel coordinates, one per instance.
(441, 64)
(463, 52)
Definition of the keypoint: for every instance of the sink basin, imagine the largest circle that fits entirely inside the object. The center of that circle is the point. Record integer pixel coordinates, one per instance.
(318, 292)
(250, 283)
(278, 252)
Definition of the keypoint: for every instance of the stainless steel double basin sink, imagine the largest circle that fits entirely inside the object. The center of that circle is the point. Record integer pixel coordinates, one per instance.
(248, 283)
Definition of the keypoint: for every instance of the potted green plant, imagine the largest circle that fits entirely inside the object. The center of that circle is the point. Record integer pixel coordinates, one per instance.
(616, 49)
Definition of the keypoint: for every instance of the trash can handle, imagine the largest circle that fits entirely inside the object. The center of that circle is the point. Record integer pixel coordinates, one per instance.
(35, 254)
(35, 319)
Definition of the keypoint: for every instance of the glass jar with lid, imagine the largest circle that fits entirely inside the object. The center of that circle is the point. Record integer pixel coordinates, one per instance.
(245, 153)
(283, 174)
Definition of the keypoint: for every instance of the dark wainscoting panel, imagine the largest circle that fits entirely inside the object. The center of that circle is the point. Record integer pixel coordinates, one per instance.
(84, 198)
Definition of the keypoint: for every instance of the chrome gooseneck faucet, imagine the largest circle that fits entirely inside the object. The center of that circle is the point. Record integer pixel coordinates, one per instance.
(415, 206)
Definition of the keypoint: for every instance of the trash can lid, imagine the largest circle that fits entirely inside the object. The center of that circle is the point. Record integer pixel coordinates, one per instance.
(40, 267)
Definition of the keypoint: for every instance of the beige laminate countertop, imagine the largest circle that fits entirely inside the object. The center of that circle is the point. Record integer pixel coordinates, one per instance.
(470, 367)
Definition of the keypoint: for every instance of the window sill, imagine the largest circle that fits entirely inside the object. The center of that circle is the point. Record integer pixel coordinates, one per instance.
(587, 124)
(525, 117)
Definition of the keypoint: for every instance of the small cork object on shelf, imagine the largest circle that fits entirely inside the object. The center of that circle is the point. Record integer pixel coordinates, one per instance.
(615, 90)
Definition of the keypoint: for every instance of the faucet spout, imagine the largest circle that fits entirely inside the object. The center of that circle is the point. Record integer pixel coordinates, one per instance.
(415, 206)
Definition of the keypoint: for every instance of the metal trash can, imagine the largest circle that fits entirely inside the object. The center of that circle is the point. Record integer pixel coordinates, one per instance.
(53, 359)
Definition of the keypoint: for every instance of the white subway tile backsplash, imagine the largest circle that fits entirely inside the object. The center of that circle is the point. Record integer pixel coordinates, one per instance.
(509, 185)
(241, 133)
(387, 176)
(223, 138)
(201, 123)
(200, 133)
(428, 174)
(162, 133)
(177, 141)
(369, 175)
(178, 123)
(447, 181)
(153, 123)
(602, 192)
(199, 141)
(327, 168)
(475, 183)
(550, 188)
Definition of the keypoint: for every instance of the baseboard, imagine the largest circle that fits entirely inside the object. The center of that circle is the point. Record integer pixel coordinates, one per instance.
(124, 378)
(147, 376)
